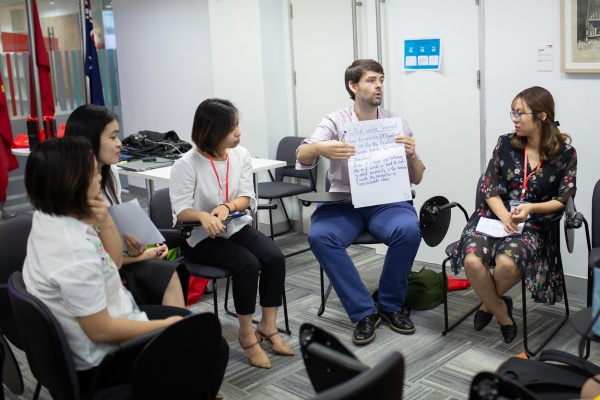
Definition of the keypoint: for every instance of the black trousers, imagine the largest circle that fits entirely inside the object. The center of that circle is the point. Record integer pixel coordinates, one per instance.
(120, 371)
(247, 254)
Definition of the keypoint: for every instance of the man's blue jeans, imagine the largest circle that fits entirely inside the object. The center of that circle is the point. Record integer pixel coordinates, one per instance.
(336, 225)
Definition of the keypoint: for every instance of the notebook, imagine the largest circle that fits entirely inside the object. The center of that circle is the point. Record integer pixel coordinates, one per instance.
(147, 164)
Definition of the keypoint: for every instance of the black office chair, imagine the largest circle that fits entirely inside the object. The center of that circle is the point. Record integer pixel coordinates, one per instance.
(2, 356)
(13, 248)
(594, 241)
(161, 214)
(193, 344)
(490, 386)
(48, 353)
(277, 189)
(336, 373)
(434, 219)
(582, 321)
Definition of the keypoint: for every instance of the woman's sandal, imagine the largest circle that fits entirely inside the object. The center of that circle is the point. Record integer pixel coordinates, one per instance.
(260, 360)
(279, 348)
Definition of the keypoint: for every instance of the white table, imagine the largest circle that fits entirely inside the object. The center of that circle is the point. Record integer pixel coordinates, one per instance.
(20, 152)
(164, 174)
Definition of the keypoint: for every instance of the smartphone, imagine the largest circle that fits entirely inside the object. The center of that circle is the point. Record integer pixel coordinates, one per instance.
(235, 215)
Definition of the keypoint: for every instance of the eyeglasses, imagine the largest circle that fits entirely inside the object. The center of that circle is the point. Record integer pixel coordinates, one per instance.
(516, 115)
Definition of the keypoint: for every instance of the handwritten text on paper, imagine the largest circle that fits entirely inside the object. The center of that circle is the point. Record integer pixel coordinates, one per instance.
(378, 171)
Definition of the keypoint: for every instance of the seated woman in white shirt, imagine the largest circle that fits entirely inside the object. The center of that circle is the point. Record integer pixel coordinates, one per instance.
(150, 278)
(73, 255)
(208, 184)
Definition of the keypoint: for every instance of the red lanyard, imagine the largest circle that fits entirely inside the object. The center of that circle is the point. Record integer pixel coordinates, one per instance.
(525, 176)
(226, 176)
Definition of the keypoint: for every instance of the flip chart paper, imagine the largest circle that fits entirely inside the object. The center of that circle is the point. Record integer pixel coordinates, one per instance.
(378, 170)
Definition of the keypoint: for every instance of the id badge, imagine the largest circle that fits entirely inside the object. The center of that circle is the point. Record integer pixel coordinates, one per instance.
(514, 204)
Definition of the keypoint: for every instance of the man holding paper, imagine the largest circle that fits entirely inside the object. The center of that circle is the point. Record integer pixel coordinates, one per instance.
(336, 225)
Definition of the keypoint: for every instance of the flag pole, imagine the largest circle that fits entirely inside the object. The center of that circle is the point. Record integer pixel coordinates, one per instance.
(86, 79)
(33, 60)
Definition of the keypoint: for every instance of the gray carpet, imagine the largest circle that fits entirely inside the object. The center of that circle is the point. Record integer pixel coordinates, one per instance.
(437, 367)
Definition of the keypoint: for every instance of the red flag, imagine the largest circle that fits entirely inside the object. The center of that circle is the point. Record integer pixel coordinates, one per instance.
(43, 63)
(8, 161)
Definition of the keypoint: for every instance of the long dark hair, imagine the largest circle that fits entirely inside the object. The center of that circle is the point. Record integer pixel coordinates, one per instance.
(89, 120)
(541, 101)
(213, 121)
(58, 174)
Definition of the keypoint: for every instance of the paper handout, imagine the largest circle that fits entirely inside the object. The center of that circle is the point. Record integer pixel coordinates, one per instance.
(495, 228)
(379, 170)
(131, 219)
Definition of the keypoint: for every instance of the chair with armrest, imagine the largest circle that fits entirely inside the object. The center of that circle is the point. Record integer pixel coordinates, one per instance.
(364, 238)
(161, 215)
(336, 373)
(48, 353)
(488, 386)
(277, 189)
(593, 240)
(434, 219)
(193, 344)
(13, 248)
(583, 321)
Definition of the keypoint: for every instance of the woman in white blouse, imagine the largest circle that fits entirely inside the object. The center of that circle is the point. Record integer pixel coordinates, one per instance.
(210, 183)
(148, 276)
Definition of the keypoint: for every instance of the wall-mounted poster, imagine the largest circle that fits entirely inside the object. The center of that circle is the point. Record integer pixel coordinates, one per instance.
(422, 54)
(580, 36)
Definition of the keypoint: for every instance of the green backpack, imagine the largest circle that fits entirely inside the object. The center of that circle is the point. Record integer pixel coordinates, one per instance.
(424, 290)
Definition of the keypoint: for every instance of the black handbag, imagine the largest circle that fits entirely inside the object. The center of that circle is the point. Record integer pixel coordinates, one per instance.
(155, 144)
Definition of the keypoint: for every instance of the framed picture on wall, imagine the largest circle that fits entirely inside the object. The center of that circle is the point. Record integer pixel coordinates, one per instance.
(580, 36)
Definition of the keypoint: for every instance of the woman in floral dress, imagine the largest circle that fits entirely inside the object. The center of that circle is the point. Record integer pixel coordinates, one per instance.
(531, 172)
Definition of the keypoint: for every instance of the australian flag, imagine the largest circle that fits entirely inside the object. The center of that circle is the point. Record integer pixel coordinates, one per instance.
(92, 69)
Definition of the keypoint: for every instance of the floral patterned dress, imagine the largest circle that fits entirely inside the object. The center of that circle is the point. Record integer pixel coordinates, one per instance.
(532, 251)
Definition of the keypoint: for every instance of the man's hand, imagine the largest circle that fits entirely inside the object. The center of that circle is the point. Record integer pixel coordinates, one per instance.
(409, 145)
(334, 150)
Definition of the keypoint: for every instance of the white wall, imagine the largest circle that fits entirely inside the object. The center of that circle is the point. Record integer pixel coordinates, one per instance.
(442, 107)
(165, 63)
(173, 55)
(511, 67)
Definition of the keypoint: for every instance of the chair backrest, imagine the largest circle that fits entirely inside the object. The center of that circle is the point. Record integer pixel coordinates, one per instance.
(179, 362)
(384, 381)
(328, 362)
(596, 216)
(161, 214)
(13, 247)
(479, 197)
(286, 151)
(487, 385)
(160, 210)
(2, 357)
(48, 353)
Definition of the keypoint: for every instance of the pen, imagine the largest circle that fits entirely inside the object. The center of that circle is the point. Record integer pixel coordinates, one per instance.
(343, 138)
